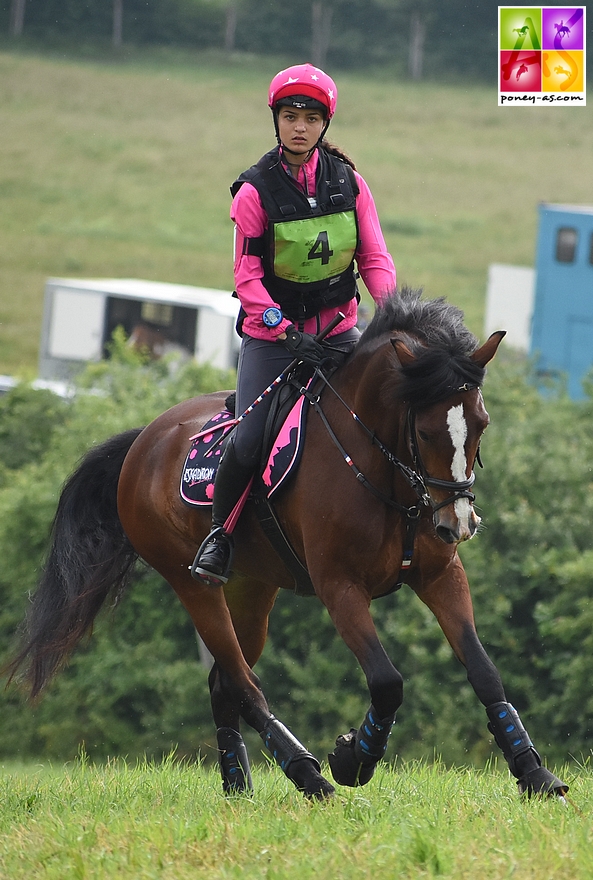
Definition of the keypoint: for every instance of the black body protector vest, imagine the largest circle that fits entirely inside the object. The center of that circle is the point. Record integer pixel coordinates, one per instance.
(308, 248)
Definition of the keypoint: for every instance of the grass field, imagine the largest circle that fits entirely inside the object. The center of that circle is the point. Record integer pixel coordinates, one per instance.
(171, 822)
(122, 169)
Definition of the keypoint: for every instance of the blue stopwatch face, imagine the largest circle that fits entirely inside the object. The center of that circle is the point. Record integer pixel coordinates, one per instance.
(272, 317)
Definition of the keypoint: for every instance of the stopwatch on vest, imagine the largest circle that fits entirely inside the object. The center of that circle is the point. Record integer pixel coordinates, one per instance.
(308, 248)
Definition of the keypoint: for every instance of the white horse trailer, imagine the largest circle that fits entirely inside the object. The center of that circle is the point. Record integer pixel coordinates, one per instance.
(80, 316)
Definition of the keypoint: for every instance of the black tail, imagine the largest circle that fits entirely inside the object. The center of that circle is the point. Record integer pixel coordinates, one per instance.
(89, 558)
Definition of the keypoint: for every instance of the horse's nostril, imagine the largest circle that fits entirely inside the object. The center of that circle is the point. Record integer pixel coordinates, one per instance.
(447, 535)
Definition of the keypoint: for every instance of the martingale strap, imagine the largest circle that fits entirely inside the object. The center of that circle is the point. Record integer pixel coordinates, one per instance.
(413, 512)
(418, 479)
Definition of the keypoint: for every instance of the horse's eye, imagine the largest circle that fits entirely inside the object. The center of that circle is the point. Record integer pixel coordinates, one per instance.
(423, 436)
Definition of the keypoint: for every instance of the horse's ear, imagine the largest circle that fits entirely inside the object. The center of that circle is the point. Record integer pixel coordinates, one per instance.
(483, 355)
(403, 353)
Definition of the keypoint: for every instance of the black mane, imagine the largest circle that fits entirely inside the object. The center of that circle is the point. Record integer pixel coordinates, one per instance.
(434, 331)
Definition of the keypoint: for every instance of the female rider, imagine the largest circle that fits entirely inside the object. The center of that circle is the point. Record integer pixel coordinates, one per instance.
(304, 218)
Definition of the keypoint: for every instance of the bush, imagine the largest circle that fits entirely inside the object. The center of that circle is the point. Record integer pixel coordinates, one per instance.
(137, 687)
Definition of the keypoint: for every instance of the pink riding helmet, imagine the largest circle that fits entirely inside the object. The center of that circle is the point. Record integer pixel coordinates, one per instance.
(304, 79)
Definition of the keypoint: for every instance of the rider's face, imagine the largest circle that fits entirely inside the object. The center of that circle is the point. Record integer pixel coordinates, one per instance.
(299, 130)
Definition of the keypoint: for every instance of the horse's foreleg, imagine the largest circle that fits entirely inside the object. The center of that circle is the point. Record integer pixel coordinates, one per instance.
(450, 602)
(357, 753)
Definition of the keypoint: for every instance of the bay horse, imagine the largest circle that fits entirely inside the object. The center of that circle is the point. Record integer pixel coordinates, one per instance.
(382, 494)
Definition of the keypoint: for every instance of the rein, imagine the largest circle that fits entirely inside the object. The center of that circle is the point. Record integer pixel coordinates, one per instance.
(414, 479)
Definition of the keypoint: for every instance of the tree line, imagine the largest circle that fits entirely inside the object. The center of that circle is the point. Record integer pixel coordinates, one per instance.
(420, 37)
(139, 685)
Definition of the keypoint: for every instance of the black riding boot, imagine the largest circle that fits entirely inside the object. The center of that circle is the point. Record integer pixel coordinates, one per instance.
(213, 560)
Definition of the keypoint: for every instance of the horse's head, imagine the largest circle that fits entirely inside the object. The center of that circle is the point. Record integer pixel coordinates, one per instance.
(444, 441)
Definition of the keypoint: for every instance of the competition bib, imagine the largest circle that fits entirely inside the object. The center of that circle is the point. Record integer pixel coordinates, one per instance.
(316, 248)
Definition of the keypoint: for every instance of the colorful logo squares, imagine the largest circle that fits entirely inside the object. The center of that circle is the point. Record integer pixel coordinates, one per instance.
(541, 54)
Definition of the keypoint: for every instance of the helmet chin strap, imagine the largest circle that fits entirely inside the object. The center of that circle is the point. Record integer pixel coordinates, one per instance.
(309, 153)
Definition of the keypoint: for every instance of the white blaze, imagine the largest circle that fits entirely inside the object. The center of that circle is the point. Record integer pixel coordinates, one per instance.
(458, 433)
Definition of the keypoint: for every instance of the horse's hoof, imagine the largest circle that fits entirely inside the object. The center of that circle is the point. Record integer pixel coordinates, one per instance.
(541, 782)
(323, 790)
(303, 773)
(344, 766)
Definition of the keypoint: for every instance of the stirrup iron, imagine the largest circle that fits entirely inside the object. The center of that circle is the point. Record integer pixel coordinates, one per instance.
(203, 574)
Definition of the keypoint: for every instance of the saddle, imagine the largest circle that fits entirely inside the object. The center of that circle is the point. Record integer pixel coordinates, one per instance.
(282, 449)
(283, 440)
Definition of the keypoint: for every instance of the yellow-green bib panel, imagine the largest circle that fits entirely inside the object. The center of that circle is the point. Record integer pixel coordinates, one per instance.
(316, 248)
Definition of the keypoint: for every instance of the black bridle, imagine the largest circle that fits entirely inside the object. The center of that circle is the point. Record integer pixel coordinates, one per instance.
(460, 488)
(416, 477)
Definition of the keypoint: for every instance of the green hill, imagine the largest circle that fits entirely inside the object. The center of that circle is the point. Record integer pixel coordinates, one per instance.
(122, 170)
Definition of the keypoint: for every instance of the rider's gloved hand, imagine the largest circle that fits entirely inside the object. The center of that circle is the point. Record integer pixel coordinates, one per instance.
(304, 347)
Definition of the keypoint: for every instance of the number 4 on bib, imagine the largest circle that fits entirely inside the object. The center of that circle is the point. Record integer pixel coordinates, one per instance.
(321, 250)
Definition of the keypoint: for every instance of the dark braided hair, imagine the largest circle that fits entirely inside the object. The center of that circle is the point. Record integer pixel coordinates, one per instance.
(336, 151)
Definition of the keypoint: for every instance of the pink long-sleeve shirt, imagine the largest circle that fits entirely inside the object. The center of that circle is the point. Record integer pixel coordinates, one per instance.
(372, 257)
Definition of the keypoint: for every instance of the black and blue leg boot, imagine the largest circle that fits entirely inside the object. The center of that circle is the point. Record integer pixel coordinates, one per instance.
(214, 558)
(523, 760)
(301, 767)
(357, 753)
(234, 762)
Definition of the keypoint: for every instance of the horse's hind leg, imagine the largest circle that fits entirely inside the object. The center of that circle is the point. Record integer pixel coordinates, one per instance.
(161, 532)
(237, 690)
(233, 759)
(450, 601)
(249, 603)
